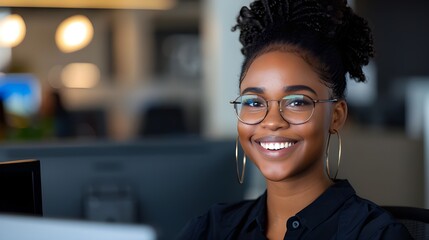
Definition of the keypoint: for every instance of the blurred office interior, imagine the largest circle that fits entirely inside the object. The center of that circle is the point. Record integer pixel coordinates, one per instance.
(169, 70)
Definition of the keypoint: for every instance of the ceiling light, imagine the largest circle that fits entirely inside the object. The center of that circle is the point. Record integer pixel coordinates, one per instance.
(74, 33)
(12, 30)
(112, 4)
(80, 75)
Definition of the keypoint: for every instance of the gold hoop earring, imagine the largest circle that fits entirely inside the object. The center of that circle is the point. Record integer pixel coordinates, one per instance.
(240, 177)
(339, 155)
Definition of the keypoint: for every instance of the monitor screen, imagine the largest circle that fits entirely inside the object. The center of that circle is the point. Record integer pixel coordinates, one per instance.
(37, 228)
(20, 93)
(20, 187)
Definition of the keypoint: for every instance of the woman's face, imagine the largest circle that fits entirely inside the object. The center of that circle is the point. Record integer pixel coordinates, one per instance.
(274, 75)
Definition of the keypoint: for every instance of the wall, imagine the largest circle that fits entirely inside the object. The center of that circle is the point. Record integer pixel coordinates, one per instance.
(384, 166)
(222, 64)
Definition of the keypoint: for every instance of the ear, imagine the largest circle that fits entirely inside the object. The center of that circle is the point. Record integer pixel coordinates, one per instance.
(339, 115)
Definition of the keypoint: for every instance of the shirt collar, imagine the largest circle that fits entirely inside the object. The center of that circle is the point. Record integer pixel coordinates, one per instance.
(312, 215)
(259, 214)
(326, 204)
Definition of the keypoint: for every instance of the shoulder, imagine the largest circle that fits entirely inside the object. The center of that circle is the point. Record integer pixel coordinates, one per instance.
(218, 220)
(372, 221)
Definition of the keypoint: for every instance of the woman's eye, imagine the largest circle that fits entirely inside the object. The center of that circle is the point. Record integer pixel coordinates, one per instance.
(297, 102)
(254, 103)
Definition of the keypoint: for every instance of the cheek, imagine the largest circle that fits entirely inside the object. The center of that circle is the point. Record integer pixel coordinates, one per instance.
(321, 119)
(316, 133)
(245, 132)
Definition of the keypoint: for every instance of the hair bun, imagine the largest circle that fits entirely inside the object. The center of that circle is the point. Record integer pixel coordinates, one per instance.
(356, 44)
(333, 20)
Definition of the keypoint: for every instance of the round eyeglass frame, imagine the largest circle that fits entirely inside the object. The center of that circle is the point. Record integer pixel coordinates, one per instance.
(235, 102)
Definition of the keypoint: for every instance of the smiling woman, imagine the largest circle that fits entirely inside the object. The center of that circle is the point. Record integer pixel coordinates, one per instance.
(292, 99)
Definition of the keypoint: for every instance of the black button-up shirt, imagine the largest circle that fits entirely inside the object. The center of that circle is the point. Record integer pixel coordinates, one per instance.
(337, 214)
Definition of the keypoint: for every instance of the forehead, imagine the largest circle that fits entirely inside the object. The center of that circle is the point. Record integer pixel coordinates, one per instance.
(278, 69)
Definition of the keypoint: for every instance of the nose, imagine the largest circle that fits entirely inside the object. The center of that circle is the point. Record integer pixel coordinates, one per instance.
(274, 119)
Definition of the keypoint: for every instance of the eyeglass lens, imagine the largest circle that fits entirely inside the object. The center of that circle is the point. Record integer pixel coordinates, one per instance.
(295, 109)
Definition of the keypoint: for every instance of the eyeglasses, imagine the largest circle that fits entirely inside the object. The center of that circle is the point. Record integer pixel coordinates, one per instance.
(294, 109)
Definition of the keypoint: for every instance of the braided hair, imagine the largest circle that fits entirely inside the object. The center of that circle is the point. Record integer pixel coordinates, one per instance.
(325, 33)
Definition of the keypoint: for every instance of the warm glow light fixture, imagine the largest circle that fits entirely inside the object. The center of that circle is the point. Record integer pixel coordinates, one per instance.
(12, 30)
(80, 75)
(111, 4)
(74, 33)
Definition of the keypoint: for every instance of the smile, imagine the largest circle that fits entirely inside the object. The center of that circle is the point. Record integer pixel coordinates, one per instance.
(276, 145)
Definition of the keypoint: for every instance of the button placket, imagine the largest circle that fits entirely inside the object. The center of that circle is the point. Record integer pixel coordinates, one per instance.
(293, 223)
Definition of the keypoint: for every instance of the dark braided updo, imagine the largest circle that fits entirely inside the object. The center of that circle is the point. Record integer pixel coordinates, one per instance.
(325, 33)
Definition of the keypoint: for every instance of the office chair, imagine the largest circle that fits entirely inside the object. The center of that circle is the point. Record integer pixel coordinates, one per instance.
(416, 220)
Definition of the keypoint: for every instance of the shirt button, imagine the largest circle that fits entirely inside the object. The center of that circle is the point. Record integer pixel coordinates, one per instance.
(295, 224)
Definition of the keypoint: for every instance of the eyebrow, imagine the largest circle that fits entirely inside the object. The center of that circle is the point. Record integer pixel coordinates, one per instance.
(253, 90)
(296, 88)
(293, 88)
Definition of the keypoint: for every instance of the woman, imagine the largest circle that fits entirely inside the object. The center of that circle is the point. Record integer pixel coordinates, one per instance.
(297, 54)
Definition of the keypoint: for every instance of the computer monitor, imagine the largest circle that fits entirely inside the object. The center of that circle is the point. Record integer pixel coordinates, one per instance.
(20, 187)
(20, 93)
(164, 182)
(37, 228)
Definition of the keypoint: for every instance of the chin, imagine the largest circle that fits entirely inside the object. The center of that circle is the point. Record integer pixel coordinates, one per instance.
(275, 175)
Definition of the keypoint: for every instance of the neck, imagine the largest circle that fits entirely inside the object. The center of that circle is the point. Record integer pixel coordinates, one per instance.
(286, 198)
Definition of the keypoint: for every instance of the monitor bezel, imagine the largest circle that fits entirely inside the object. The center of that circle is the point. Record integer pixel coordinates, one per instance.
(32, 166)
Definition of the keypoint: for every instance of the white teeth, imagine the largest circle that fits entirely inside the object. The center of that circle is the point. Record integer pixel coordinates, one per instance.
(276, 145)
